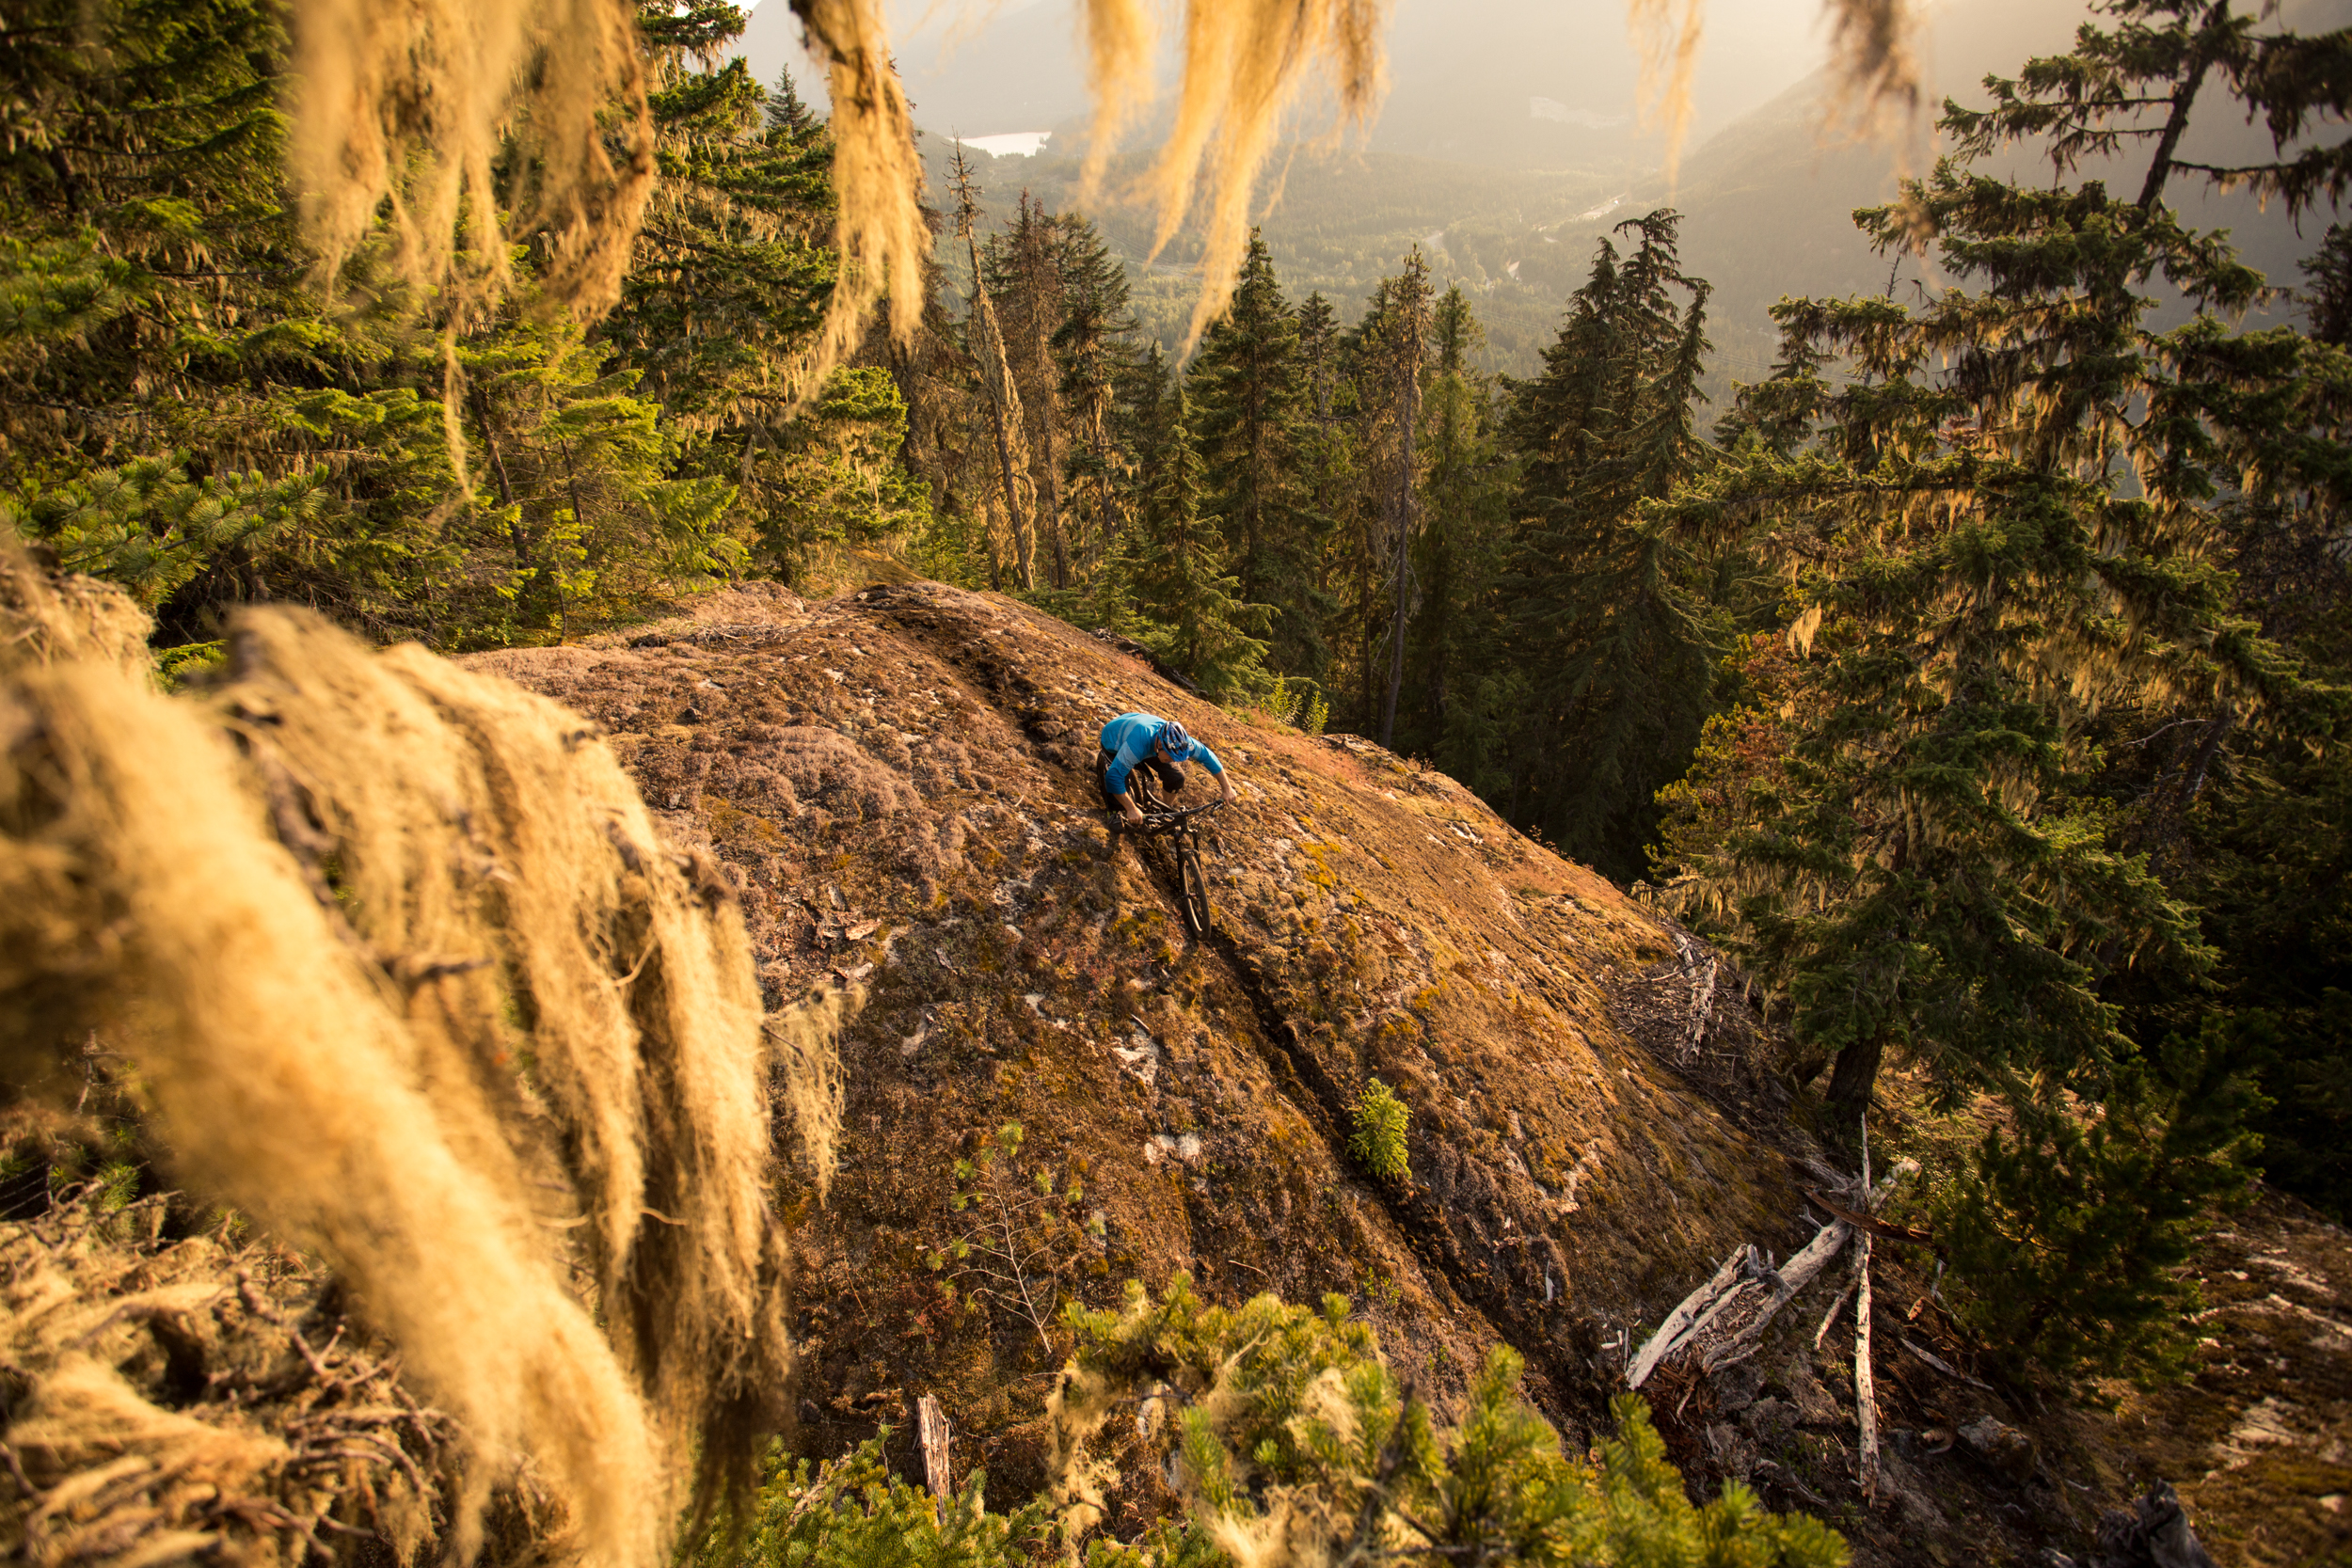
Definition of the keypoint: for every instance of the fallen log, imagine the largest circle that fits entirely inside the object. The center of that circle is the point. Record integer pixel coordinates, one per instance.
(1864, 1388)
(1679, 1322)
(1940, 1364)
(1806, 1265)
(1876, 1226)
(1830, 1317)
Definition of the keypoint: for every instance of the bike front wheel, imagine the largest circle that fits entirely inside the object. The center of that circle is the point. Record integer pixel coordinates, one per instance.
(1194, 881)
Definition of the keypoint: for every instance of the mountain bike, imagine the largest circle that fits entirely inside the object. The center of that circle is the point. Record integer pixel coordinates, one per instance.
(1181, 827)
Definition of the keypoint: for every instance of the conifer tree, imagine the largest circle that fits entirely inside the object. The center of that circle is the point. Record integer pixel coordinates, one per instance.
(164, 344)
(1094, 346)
(1615, 612)
(1406, 343)
(1456, 680)
(730, 278)
(1333, 489)
(1023, 277)
(1248, 401)
(1001, 398)
(1989, 564)
(151, 225)
(1197, 618)
(787, 115)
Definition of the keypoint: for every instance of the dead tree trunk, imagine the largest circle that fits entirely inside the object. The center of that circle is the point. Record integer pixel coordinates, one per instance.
(1854, 1076)
(932, 1432)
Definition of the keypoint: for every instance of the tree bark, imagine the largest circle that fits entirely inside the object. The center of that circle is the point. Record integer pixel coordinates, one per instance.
(2184, 99)
(934, 1433)
(1854, 1076)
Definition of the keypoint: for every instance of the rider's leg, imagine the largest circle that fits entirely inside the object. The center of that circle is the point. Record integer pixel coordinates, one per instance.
(1170, 776)
(1103, 780)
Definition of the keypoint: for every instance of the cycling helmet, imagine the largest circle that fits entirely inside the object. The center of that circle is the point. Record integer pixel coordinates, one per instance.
(1172, 736)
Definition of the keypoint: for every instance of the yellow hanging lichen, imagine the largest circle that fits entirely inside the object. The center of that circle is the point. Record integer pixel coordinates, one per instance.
(407, 974)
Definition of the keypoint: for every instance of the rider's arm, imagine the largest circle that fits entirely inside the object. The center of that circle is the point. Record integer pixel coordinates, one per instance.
(1206, 758)
(1115, 781)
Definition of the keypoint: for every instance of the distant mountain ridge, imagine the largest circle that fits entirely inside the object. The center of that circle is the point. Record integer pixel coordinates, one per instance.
(1515, 84)
(1767, 198)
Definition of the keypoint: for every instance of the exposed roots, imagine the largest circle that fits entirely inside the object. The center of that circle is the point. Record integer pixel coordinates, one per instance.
(190, 1398)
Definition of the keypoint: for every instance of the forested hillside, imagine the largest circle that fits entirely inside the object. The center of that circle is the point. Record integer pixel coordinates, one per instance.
(1955, 704)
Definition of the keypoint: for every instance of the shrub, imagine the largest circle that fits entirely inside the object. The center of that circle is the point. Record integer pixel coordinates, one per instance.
(1381, 1121)
(1293, 1445)
(852, 1513)
(2068, 1235)
(1022, 1237)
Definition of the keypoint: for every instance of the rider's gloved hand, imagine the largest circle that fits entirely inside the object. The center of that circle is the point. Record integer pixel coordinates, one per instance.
(1227, 785)
(1127, 806)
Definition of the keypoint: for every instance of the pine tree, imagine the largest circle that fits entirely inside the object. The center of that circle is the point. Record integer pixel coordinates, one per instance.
(150, 226)
(1994, 568)
(1405, 342)
(577, 521)
(730, 277)
(787, 115)
(1333, 489)
(1616, 612)
(165, 344)
(1245, 386)
(2251, 821)
(1291, 1433)
(1460, 692)
(2087, 1285)
(1024, 278)
(1094, 346)
(1015, 497)
(1197, 618)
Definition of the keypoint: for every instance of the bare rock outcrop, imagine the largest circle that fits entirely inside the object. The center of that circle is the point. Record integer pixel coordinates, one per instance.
(899, 783)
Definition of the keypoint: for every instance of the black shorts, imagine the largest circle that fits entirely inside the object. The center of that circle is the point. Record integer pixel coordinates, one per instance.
(1170, 776)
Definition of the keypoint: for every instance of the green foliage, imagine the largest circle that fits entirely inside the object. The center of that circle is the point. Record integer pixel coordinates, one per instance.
(579, 520)
(1310, 709)
(2044, 565)
(1193, 614)
(1616, 610)
(1380, 1121)
(852, 1513)
(185, 410)
(149, 528)
(839, 478)
(1021, 1243)
(2074, 1227)
(1245, 398)
(1294, 1446)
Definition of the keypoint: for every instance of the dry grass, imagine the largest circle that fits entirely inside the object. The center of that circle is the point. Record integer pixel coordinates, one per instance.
(296, 1433)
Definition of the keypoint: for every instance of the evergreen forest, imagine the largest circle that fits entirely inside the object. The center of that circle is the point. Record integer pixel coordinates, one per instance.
(1979, 679)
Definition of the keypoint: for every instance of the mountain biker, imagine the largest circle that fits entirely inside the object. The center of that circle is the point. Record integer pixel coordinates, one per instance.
(1146, 740)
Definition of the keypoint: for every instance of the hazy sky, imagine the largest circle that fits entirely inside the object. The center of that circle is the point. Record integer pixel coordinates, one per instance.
(1013, 66)
(1522, 82)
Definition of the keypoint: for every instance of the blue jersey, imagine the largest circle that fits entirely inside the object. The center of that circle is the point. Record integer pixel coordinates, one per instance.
(1129, 739)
